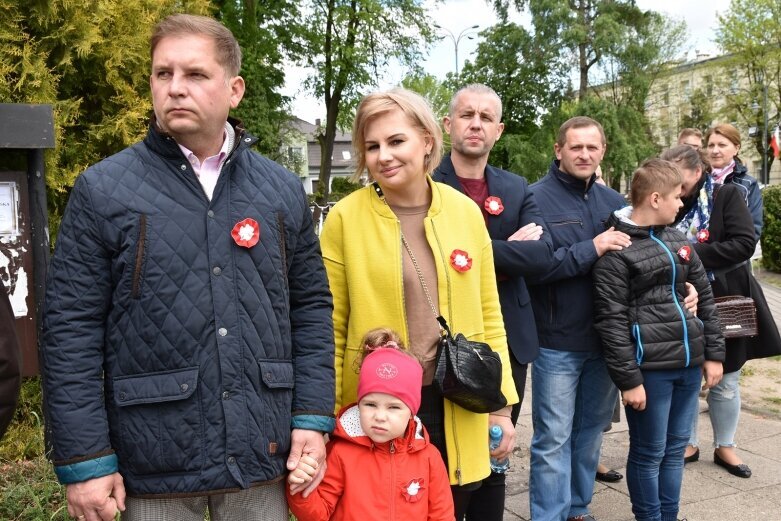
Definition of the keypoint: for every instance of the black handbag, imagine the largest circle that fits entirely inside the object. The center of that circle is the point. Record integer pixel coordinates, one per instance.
(468, 373)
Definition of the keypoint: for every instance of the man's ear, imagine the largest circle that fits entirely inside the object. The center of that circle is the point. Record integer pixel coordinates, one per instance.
(446, 124)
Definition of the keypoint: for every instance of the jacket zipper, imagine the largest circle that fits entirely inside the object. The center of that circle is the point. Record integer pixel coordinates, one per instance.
(135, 291)
(675, 296)
(392, 480)
(639, 351)
(574, 221)
(452, 326)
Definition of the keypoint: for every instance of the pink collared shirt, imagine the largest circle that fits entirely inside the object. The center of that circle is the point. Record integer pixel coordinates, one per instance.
(209, 171)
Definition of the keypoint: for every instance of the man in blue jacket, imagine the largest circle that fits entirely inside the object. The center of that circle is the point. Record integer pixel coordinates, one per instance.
(572, 394)
(188, 344)
(520, 247)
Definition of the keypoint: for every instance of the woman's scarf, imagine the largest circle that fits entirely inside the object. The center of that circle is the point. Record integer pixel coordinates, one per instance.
(698, 217)
(720, 174)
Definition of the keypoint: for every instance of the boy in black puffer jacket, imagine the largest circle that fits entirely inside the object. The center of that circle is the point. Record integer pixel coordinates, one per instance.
(656, 350)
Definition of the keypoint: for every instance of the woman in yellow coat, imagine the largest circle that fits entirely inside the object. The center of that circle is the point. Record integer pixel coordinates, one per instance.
(404, 249)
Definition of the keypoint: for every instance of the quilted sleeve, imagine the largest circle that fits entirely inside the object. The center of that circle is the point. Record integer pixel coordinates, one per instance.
(611, 320)
(311, 329)
(78, 296)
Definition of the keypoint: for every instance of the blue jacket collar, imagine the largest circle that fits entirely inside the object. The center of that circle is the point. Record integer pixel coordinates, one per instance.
(576, 185)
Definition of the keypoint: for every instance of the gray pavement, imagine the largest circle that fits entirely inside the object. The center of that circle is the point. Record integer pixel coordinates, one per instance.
(708, 492)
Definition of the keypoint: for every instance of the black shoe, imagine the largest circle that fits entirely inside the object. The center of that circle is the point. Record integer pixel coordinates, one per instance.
(611, 476)
(695, 456)
(741, 471)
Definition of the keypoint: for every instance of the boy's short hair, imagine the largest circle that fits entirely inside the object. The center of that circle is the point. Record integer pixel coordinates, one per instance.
(654, 175)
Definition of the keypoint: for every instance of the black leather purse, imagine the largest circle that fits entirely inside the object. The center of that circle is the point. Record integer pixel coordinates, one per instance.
(468, 373)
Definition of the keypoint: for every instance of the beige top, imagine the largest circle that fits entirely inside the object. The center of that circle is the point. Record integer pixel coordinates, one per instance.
(421, 322)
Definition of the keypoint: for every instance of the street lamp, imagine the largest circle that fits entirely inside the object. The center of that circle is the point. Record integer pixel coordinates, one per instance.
(457, 38)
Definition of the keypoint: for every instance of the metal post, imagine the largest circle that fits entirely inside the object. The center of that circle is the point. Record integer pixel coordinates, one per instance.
(456, 39)
(39, 229)
(765, 179)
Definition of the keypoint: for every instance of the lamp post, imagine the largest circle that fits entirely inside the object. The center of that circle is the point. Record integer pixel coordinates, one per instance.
(764, 175)
(457, 38)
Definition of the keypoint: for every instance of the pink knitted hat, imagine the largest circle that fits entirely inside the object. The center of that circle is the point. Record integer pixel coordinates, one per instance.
(390, 371)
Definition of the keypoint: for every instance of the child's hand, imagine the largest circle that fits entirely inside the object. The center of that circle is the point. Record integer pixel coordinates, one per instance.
(635, 397)
(304, 472)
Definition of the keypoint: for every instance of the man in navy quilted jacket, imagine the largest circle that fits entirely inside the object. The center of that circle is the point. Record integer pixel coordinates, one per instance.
(188, 345)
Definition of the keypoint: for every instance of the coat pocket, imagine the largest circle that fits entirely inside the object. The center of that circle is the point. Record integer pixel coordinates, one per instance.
(161, 424)
(278, 379)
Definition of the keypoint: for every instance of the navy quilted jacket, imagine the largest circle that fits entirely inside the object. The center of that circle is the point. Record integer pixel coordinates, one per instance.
(170, 352)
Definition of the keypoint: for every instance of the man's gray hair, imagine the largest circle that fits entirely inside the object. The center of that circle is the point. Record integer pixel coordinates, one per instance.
(477, 88)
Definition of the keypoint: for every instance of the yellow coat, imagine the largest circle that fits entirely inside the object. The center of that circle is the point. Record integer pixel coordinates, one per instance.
(362, 249)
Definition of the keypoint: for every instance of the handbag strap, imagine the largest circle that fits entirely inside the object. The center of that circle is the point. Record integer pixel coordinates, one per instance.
(442, 322)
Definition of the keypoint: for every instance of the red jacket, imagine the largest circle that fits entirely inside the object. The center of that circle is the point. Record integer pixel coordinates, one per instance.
(404, 479)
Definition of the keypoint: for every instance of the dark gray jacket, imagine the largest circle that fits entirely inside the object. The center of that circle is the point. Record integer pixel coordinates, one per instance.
(638, 305)
(170, 352)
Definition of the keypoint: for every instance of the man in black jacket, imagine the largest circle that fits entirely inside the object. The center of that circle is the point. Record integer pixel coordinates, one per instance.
(10, 362)
(188, 343)
(520, 246)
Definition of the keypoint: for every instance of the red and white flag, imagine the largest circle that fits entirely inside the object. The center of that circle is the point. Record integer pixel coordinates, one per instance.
(775, 141)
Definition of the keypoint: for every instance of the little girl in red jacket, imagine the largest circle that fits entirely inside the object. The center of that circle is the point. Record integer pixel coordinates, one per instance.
(380, 464)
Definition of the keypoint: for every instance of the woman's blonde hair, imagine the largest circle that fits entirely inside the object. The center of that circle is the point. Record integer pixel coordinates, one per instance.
(417, 110)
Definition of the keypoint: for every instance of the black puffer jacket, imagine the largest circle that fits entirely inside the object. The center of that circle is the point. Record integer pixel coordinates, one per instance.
(638, 304)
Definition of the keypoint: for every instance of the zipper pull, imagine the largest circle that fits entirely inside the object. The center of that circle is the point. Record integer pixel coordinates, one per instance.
(392, 448)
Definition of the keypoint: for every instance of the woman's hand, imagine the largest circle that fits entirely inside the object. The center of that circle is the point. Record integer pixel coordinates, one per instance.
(503, 420)
(692, 297)
(713, 372)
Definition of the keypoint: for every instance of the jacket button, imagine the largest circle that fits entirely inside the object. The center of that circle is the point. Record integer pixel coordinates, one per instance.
(247, 140)
(183, 167)
(122, 396)
(269, 377)
(231, 460)
(210, 213)
(226, 395)
(216, 270)
(184, 387)
(222, 331)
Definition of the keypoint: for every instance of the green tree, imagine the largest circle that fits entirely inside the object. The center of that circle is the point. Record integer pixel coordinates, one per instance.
(587, 31)
(437, 93)
(700, 114)
(750, 33)
(348, 44)
(267, 31)
(67, 54)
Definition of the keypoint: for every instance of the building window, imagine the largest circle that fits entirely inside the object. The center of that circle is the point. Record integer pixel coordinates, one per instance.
(666, 97)
(686, 90)
(709, 86)
(346, 155)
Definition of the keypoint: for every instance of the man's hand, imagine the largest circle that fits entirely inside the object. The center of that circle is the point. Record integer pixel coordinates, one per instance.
(692, 298)
(530, 232)
(96, 499)
(307, 443)
(610, 240)
(713, 372)
(634, 397)
(507, 444)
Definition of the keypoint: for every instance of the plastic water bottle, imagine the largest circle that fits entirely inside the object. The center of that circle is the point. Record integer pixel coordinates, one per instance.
(494, 439)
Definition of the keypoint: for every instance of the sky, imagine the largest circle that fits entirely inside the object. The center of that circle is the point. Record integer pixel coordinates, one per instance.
(458, 15)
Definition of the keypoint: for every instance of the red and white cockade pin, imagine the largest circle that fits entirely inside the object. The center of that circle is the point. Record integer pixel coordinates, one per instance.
(460, 261)
(493, 205)
(702, 235)
(246, 233)
(413, 491)
(685, 253)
